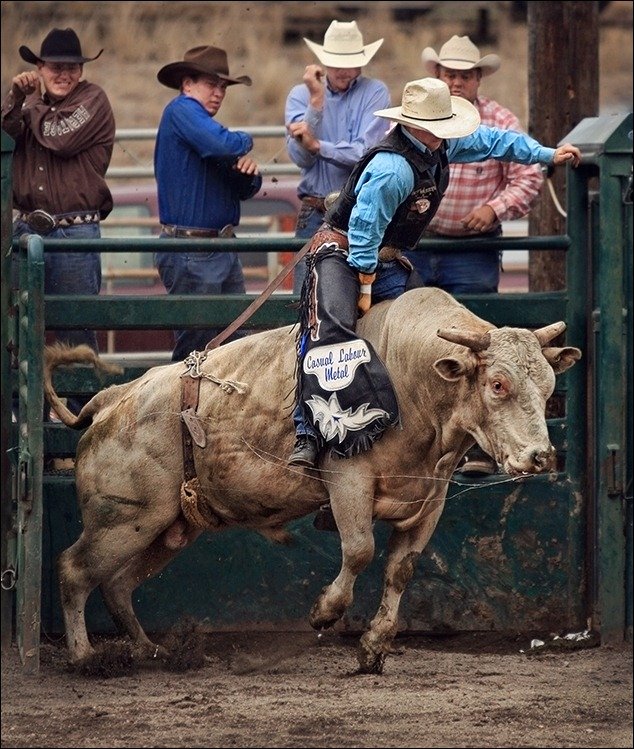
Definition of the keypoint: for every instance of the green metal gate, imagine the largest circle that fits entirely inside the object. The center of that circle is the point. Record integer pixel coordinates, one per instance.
(600, 194)
(539, 555)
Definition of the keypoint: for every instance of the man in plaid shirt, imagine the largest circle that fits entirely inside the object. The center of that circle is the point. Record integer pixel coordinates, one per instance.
(479, 196)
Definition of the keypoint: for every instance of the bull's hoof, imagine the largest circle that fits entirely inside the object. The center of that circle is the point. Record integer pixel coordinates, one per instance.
(324, 615)
(150, 654)
(107, 662)
(371, 656)
(370, 663)
(318, 621)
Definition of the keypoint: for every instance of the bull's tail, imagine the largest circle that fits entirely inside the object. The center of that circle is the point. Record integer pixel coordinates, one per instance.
(59, 355)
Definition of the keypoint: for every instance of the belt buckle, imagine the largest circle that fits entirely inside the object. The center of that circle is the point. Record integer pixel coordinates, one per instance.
(331, 199)
(41, 221)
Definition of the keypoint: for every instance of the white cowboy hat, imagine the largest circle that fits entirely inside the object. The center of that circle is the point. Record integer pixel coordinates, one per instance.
(343, 46)
(459, 53)
(428, 105)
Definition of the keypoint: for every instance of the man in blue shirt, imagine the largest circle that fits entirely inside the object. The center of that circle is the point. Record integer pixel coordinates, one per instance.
(356, 259)
(202, 173)
(330, 122)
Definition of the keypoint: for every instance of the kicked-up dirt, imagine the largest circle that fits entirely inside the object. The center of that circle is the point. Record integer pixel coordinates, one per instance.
(299, 689)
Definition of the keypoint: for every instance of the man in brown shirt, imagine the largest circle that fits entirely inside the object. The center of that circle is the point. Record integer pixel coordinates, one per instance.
(64, 131)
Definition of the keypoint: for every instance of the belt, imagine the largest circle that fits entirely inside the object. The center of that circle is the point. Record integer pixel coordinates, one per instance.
(43, 222)
(314, 202)
(387, 254)
(326, 234)
(492, 234)
(183, 232)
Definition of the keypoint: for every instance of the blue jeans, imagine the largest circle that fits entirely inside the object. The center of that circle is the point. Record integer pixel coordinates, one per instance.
(69, 273)
(198, 273)
(458, 272)
(309, 219)
(391, 280)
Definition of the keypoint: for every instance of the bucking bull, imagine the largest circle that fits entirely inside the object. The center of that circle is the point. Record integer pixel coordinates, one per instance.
(458, 379)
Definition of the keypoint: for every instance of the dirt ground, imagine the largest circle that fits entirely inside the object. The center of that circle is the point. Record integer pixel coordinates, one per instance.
(302, 690)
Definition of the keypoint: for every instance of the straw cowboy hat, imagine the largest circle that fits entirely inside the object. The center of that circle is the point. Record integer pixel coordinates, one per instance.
(203, 60)
(428, 105)
(59, 45)
(343, 46)
(459, 53)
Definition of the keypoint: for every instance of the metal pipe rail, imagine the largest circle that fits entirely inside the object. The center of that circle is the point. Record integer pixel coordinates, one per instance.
(283, 244)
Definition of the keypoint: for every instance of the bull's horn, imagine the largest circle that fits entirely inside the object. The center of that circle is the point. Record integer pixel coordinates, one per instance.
(474, 341)
(546, 335)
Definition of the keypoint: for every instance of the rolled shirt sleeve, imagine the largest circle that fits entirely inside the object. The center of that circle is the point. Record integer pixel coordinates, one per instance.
(383, 185)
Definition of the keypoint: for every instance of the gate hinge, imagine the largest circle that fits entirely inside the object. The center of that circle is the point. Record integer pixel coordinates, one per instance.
(8, 578)
(614, 485)
(24, 496)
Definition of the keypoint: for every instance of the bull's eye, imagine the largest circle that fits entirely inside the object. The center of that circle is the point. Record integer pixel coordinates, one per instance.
(497, 387)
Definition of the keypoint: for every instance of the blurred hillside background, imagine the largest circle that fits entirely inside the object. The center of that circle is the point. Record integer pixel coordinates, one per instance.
(264, 40)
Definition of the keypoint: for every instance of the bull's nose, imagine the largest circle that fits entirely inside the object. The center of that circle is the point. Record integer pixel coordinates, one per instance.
(543, 460)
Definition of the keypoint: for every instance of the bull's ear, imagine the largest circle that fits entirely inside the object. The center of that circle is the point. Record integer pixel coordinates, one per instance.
(453, 369)
(561, 359)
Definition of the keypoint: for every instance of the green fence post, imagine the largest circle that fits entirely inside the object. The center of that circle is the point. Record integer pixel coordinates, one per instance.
(613, 260)
(577, 422)
(606, 145)
(7, 562)
(31, 457)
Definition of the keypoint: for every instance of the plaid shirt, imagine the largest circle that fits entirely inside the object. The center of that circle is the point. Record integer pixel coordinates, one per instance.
(509, 188)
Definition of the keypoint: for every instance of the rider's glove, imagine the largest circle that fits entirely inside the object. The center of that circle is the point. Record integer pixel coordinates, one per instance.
(365, 291)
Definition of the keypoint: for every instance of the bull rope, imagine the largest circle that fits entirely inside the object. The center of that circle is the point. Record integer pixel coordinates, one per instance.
(194, 362)
(273, 459)
(197, 514)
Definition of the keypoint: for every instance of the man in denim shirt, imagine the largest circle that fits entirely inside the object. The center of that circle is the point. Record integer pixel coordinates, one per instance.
(202, 173)
(330, 122)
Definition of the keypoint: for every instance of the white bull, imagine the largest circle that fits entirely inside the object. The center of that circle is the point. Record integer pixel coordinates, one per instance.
(458, 379)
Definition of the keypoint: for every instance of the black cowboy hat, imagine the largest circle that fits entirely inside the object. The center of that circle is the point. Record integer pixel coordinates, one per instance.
(197, 61)
(59, 45)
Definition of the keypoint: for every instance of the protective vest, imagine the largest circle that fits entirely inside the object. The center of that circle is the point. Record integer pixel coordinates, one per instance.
(431, 178)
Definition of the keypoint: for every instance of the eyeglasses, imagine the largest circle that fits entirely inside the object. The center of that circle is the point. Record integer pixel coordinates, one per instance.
(61, 67)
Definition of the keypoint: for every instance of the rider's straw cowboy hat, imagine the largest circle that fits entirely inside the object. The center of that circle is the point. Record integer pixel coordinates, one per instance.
(459, 53)
(428, 105)
(343, 46)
